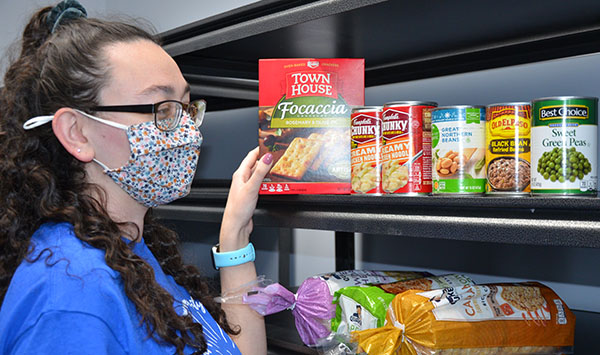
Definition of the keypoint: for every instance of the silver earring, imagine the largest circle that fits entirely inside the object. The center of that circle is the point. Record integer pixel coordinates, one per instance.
(78, 150)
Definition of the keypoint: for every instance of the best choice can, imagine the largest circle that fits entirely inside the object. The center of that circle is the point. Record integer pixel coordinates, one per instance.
(458, 141)
(564, 142)
(366, 150)
(406, 153)
(508, 153)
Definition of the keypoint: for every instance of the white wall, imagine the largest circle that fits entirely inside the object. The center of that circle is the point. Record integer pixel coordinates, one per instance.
(163, 15)
(166, 15)
(14, 15)
(313, 252)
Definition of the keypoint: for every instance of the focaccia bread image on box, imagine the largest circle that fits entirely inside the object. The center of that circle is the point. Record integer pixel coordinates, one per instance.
(304, 121)
(297, 158)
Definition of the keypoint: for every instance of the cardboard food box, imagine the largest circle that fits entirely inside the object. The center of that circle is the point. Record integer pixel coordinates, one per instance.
(304, 121)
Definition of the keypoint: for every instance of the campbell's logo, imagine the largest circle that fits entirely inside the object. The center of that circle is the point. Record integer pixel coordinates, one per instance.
(313, 83)
(312, 64)
(365, 128)
(361, 122)
(506, 122)
(366, 119)
(577, 112)
(395, 124)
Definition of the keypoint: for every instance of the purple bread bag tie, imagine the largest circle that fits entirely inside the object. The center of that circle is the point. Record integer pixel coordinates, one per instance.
(312, 306)
(271, 299)
(313, 311)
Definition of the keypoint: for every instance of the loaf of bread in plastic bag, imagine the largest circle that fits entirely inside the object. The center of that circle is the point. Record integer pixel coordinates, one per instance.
(521, 318)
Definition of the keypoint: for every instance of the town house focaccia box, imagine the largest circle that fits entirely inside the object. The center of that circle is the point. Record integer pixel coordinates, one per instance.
(304, 121)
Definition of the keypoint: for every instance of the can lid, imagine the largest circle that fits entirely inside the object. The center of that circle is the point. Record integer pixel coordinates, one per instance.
(510, 104)
(458, 106)
(411, 103)
(566, 98)
(365, 108)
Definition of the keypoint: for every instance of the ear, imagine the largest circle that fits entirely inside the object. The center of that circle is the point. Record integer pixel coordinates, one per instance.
(67, 128)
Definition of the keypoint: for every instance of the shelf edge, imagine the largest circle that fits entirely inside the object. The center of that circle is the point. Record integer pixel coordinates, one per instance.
(546, 232)
(266, 23)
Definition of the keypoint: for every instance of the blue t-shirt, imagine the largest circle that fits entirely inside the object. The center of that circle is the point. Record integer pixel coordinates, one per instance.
(71, 302)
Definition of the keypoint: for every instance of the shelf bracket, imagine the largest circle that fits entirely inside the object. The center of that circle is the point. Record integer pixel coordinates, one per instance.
(344, 251)
(284, 248)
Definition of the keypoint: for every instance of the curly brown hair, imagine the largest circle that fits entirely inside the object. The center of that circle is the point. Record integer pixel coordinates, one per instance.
(42, 182)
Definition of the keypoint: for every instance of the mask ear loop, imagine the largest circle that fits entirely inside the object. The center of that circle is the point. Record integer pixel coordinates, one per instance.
(106, 168)
(107, 122)
(36, 122)
(42, 120)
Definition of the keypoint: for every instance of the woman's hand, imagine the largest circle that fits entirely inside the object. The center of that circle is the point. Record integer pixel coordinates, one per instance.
(235, 234)
(241, 202)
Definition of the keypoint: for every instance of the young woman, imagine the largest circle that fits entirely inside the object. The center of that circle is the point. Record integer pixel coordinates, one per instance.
(96, 127)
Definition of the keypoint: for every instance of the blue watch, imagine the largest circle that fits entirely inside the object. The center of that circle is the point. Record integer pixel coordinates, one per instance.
(232, 258)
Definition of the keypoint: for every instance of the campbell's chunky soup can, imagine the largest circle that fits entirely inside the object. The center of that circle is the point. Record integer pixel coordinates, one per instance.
(458, 147)
(406, 152)
(508, 153)
(564, 146)
(366, 150)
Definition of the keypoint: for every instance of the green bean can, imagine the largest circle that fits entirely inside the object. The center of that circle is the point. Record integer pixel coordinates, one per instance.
(564, 144)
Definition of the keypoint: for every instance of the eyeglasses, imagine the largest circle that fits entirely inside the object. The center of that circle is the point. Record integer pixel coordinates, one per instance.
(167, 114)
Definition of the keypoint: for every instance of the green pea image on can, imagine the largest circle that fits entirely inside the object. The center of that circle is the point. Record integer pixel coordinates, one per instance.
(458, 150)
(564, 143)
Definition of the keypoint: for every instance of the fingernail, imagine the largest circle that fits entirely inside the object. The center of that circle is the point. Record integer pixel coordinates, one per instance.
(267, 158)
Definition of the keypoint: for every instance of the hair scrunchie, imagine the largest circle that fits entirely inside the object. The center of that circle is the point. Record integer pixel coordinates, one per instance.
(64, 12)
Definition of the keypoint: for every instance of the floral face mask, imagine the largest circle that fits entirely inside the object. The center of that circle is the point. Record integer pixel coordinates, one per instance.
(162, 163)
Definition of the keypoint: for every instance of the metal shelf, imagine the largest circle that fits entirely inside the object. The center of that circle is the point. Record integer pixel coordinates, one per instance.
(571, 222)
(399, 40)
(283, 336)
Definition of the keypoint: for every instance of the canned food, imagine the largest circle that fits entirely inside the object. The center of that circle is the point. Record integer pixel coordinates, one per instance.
(366, 150)
(458, 141)
(508, 153)
(564, 142)
(406, 153)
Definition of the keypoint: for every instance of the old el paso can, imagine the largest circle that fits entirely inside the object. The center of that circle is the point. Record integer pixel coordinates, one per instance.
(366, 150)
(564, 143)
(458, 144)
(508, 153)
(406, 152)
